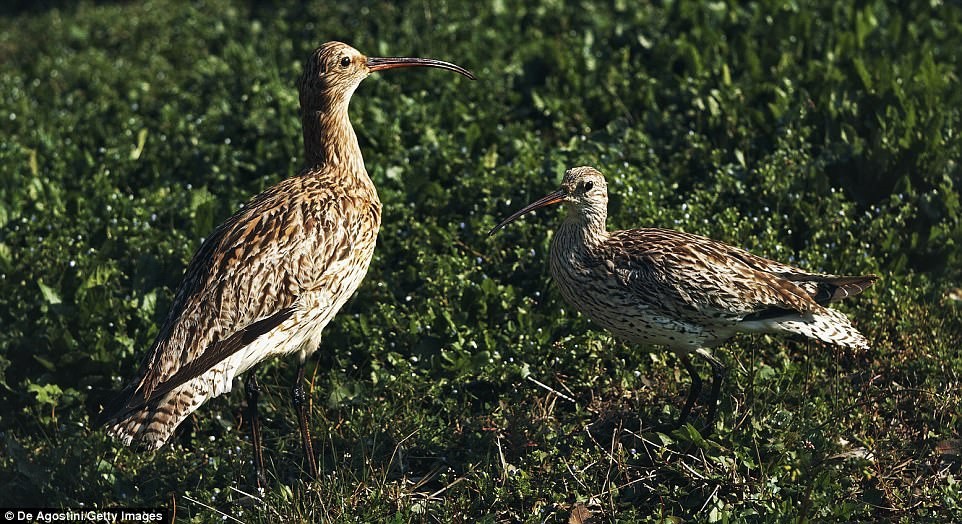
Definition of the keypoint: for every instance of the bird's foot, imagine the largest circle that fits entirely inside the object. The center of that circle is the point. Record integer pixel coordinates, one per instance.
(260, 480)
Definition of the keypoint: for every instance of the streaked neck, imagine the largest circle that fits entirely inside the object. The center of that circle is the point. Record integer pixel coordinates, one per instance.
(585, 226)
(329, 139)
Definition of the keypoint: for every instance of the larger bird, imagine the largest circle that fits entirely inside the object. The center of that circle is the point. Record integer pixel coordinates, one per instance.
(684, 291)
(270, 278)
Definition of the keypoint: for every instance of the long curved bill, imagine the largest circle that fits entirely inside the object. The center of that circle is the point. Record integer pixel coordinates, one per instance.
(379, 64)
(547, 200)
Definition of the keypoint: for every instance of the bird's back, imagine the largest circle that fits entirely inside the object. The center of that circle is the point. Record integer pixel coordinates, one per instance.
(264, 283)
(687, 291)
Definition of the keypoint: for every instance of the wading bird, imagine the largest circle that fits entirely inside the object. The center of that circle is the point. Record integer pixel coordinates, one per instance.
(684, 291)
(268, 280)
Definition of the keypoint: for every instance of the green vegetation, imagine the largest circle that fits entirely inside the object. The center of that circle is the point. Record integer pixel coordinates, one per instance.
(828, 135)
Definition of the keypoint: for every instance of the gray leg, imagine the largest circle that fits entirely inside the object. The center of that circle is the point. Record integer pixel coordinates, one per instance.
(693, 391)
(300, 404)
(253, 393)
(718, 375)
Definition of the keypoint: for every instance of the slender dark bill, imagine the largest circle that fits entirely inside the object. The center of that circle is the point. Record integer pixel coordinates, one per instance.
(547, 200)
(378, 64)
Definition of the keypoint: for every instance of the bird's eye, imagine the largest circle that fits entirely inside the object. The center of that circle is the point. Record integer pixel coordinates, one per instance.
(345, 61)
(588, 186)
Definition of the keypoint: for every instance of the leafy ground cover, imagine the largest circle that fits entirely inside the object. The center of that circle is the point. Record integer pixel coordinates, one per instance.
(456, 386)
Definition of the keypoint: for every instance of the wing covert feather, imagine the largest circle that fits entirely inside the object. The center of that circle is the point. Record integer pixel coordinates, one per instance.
(704, 275)
(253, 267)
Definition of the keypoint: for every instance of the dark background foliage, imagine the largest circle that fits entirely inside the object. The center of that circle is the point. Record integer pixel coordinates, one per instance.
(456, 384)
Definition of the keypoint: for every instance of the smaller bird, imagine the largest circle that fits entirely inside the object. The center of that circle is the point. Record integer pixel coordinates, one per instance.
(684, 291)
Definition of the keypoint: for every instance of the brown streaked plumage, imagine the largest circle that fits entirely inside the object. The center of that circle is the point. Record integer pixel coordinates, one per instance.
(684, 291)
(269, 279)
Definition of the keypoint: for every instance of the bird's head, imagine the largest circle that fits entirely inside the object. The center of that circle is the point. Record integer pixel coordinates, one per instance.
(583, 191)
(335, 69)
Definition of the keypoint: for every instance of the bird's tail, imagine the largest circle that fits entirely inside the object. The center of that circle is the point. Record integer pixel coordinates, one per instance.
(150, 426)
(825, 289)
(827, 325)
